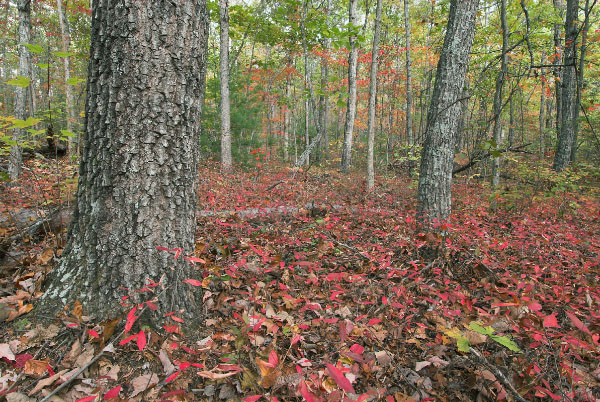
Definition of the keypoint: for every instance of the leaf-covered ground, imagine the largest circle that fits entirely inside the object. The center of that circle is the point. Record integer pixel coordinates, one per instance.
(335, 297)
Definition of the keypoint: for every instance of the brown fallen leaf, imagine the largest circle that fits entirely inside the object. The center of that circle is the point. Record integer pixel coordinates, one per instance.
(46, 382)
(36, 368)
(142, 383)
(21, 309)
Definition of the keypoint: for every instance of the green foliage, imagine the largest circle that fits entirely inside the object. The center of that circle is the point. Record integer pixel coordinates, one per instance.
(489, 331)
(19, 81)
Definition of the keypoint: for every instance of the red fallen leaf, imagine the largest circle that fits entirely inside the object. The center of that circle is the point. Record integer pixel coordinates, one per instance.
(356, 348)
(533, 306)
(87, 398)
(21, 359)
(296, 339)
(93, 333)
(128, 339)
(72, 325)
(113, 393)
(141, 340)
(339, 378)
(177, 319)
(578, 324)
(374, 321)
(193, 282)
(306, 393)
(273, 359)
(50, 370)
(151, 306)
(550, 321)
(252, 398)
(172, 376)
(195, 259)
(173, 393)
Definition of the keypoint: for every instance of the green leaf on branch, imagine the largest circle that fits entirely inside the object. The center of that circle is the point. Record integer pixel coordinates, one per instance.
(34, 48)
(75, 80)
(18, 123)
(63, 54)
(43, 66)
(67, 134)
(19, 81)
(489, 331)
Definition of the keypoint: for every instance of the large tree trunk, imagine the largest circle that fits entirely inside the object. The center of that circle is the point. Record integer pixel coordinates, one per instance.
(372, 100)
(138, 173)
(435, 179)
(226, 160)
(580, 83)
(542, 117)
(66, 44)
(498, 96)
(15, 160)
(351, 104)
(558, 60)
(569, 112)
(409, 128)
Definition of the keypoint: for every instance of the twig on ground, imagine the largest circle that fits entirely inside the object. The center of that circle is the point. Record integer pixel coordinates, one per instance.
(9, 390)
(500, 376)
(339, 243)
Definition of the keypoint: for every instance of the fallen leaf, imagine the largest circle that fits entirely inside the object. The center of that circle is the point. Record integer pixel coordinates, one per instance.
(142, 383)
(550, 321)
(339, 378)
(6, 352)
(46, 382)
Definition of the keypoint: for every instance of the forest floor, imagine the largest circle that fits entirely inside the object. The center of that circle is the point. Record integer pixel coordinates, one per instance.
(327, 293)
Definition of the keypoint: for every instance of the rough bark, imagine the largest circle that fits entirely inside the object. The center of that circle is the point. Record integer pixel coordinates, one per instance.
(65, 32)
(409, 128)
(435, 179)
(351, 103)
(286, 121)
(138, 171)
(373, 100)
(226, 160)
(15, 159)
(499, 94)
(580, 83)
(558, 60)
(569, 111)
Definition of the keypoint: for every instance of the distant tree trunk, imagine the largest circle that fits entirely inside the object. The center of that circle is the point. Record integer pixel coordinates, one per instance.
(15, 160)
(226, 159)
(138, 175)
(66, 45)
(351, 104)
(409, 128)
(286, 121)
(511, 128)
(373, 100)
(324, 99)
(569, 112)
(580, 83)
(499, 94)
(542, 117)
(435, 179)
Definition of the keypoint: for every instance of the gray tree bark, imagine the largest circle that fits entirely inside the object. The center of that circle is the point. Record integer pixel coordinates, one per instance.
(569, 111)
(324, 99)
(542, 117)
(66, 45)
(409, 123)
(226, 160)
(138, 172)
(351, 104)
(435, 179)
(373, 100)
(580, 83)
(558, 60)
(499, 94)
(15, 159)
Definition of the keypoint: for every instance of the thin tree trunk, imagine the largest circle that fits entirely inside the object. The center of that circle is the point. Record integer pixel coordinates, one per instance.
(138, 176)
(226, 159)
(409, 128)
(558, 60)
(351, 104)
(511, 128)
(435, 179)
(15, 160)
(569, 110)
(498, 96)
(372, 100)
(66, 44)
(324, 99)
(542, 117)
(286, 120)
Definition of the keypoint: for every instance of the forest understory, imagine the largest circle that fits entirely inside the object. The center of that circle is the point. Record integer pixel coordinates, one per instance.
(324, 293)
